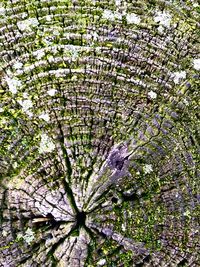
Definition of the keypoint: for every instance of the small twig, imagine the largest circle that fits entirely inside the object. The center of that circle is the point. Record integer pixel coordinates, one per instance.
(42, 219)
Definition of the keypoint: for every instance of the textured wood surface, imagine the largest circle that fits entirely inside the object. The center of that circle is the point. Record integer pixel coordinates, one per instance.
(99, 133)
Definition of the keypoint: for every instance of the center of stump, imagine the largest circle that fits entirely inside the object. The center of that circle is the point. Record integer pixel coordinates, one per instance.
(80, 218)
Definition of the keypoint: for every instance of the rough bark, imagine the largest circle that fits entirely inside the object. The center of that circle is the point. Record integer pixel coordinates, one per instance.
(99, 137)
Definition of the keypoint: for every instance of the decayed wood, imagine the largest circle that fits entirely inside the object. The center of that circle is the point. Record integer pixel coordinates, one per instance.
(99, 133)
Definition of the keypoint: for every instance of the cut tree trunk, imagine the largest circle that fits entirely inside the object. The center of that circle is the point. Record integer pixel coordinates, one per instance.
(99, 136)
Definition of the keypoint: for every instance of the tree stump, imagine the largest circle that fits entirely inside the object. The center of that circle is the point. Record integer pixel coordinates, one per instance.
(99, 136)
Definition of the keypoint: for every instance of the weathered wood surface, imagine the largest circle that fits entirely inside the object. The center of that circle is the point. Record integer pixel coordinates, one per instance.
(99, 136)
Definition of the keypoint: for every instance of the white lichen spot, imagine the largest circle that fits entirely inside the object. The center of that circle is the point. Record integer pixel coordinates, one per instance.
(26, 25)
(39, 54)
(46, 144)
(163, 18)
(123, 228)
(118, 15)
(58, 73)
(29, 236)
(4, 121)
(2, 10)
(4, 233)
(108, 14)
(57, 31)
(51, 92)
(132, 18)
(25, 95)
(26, 104)
(47, 41)
(196, 64)
(130, 213)
(101, 262)
(15, 165)
(161, 29)
(74, 78)
(13, 84)
(112, 16)
(48, 18)
(95, 36)
(195, 5)
(178, 76)
(45, 117)
(152, 94)
(50, 58)
(73, 50)
(22, 25)
(18, 65)
(34, 22)
(147, 168)
(185, 102)
(117, 2)
(1, 110)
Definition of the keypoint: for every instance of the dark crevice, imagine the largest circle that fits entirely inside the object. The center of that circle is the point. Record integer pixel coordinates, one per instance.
(99, 198)
(114, 200)
(80, 219)
(70, 195)
(183, 262)
(67, 160)
(144, 261)
(2, 206)
(34, 248)
(130, 197)
(57, 244)
(89, 231)
(90, 171)
(48, 221)
(25, 258)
